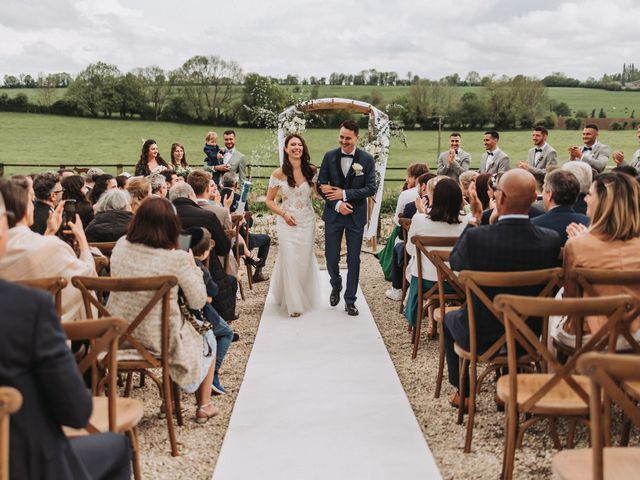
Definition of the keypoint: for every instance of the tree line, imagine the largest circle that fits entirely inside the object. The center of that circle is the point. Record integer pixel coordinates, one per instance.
(212, 90)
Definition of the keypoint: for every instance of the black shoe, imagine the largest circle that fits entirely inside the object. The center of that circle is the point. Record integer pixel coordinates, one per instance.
(254, 262)
(334, 299)
(351, 309)
(259, 277)
(236, 337)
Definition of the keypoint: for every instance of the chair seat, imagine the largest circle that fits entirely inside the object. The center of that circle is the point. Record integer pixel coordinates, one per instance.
(129, 413)
(633, 389)
(578, 464)
(438, 317)
(560, 400)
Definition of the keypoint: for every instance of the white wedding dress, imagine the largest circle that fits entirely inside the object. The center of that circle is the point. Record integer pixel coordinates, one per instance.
(295, 283)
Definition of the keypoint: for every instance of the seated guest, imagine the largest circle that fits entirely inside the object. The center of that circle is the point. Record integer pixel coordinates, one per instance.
(511, 244)
(202, 184)
(113, 216)
(158, 185)
(465, 180)
(443, 220)
(35, 360)
(485, 193)
(74, 189)
(559, 193)
(139, 188)
(411, 193)
(584, 174)
(102, 183)
(48, 192)
(149, 249)
(612, 242)
(122, 180)
(171, 177)
(256, 240)
(30, 255)
(628, 169)
(91, 176)
(490, 215)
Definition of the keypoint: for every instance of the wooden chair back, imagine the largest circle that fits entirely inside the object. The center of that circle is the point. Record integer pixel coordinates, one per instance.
(53, 285)
(10, 402)
(608, 372)
(105, 247)
(103, 335)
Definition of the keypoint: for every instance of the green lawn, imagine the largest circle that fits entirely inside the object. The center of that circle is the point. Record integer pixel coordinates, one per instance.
(46, 139)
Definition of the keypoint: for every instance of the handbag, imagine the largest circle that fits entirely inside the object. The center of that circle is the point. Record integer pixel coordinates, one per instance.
(187, 317)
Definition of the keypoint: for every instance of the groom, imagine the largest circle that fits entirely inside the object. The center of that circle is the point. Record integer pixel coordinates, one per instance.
(346, 179)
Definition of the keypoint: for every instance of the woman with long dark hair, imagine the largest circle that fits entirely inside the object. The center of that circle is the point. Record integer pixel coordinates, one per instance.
(73, 188)
(150, 159)
(178, 156)
(295, 282)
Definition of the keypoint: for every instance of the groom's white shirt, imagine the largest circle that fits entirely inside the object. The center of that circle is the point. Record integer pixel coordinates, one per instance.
(345, 164)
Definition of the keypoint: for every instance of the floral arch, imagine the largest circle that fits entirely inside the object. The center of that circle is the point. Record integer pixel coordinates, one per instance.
(377, 142)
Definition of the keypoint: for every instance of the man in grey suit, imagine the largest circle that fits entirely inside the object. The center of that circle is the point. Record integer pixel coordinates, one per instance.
(593, 152)
(618, 156)
(493, 160)
(233, 159)
(541, 155)
(455, 161)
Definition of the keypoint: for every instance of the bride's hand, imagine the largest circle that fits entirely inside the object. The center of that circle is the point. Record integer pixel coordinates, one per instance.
(289, 219)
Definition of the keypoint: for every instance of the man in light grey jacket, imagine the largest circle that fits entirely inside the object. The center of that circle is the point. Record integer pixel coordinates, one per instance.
(541, 155)
(493, 160)
(455, 161)
(233, 159)
(618, 156)
(593, 152)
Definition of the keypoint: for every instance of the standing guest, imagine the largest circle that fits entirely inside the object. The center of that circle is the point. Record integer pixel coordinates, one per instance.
(35, 359)
(618, 156)
(510, 245)
(493, 160)
(150, 160)
(584, 174)
(541, 155)
(102, 184)
(30, 255)
(559, 193)
(594, 153)
(455, 161)
(158, 185)
(214, 156)
(113, 216)
(149, 249)
(74, 189)
(178, 156)
(232, 158)
(48, 193)
(139, 188)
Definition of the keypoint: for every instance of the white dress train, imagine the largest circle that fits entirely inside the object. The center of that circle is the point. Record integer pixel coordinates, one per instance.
(295, 283)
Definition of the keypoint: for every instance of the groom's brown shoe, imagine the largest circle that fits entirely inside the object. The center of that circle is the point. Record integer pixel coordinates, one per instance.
(351, 309)
(334, 299)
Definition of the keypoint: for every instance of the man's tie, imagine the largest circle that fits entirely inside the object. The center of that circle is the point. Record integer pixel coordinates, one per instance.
(586, 149)
(538, 150)
(490, 153)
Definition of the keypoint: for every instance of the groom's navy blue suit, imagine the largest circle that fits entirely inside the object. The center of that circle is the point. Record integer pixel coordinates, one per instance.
(357, 187)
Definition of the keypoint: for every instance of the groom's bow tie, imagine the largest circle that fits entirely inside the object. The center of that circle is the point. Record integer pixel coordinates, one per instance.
(346, 155)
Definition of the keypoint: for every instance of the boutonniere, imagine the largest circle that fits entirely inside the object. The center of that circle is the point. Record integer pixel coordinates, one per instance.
(357, 169)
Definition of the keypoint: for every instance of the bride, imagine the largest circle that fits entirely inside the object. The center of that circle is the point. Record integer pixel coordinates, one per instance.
(295, 284)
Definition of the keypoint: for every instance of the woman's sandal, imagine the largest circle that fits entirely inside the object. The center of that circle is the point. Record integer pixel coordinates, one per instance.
(295, 314)
(205, 412)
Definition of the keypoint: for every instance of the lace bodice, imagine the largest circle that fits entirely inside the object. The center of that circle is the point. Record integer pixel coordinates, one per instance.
(293, 198)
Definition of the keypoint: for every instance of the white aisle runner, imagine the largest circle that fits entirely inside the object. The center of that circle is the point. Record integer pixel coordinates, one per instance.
(321, 400)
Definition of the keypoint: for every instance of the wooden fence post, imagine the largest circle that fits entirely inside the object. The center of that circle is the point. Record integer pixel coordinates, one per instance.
(1, 170)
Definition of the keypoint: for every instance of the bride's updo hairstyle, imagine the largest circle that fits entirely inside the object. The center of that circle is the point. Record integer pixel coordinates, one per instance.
(305, 163)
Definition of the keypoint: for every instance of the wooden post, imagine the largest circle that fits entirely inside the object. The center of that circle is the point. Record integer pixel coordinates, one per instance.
(1, 170)
(119, 168)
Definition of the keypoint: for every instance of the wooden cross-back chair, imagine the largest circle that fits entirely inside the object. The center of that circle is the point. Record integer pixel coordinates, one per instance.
(105, 247)
(10, 402)
(140, 359)
(247, 216)
(234, 234)
(548, 280)
(53, 285)
(110, 413)
(427, 300)
(609, 373)
(405, 224)
(560, 393)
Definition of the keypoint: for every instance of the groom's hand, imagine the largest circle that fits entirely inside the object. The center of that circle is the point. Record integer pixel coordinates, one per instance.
(346, 208)
(333, 193)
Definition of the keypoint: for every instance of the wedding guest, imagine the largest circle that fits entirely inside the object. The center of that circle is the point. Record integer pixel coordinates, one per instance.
(73, 188)
(35, 359)
(171, 177)
(139, 188)
(611, 242)
(455, 161)
(232, 158)
(214, 156)
(410, 209)
(158, 185)
(65, 172)
(178, 156)
(594, 153)
(102, 183)
(48, 193)
(560, 192)
(113, 216)
(150, 248)
(30, 255)
(493, 160)
(618, 156)
(465, 180)
(90, 177)
(150, 160)
(445, 219)
(584, 174)
(628, 169)
(541, 155)
(483, 190)
(122, 180)
(410, 194)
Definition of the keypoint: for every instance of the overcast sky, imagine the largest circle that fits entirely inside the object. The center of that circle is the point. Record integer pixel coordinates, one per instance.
(431, 38)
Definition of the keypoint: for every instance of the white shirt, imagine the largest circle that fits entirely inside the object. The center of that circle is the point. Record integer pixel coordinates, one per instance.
(490, 158)
(405, 198)
(345, 165)
(228, 153)
(537, 155)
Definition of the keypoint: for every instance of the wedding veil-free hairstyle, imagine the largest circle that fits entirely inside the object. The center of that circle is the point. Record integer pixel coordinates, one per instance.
(155, 224)
(183, 162)
(617, 213)
(305, 162)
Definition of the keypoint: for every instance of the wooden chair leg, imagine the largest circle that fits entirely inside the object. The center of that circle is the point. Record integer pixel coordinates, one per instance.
(472, 407)
(143, 377)
(510, 451)
(440, 362)
(168, 401)
(177, 404)
(462, 363)
(128, 385)
(135, 453)
(249, 277)
(553, 430)
(416, 336)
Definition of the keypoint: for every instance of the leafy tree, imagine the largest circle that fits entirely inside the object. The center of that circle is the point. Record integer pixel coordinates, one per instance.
(471, 113)
(517, 101)
(562, 109)
(94, 89)
(262, 100)
(130, 95)
(11, 81)
(157, 88)
(601, 114)
(473, 79)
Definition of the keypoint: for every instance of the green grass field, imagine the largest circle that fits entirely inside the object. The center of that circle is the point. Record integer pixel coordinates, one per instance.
(38, 140)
